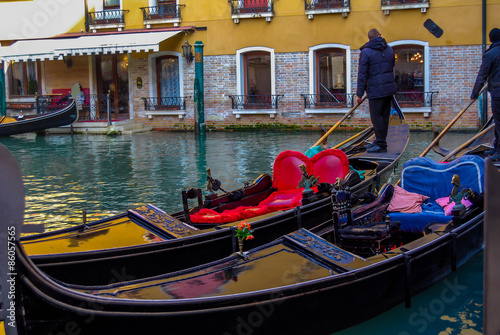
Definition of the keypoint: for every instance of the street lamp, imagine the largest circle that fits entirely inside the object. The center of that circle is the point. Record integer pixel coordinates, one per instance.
(187, 53)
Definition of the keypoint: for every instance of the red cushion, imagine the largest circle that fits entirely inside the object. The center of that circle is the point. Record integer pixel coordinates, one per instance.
(286, 170)
(329, 164)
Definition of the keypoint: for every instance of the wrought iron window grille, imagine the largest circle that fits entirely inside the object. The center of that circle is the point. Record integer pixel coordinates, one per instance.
(388, 5)
(262, 101)
(164, 103)
(337, 100)
(161, 12)
(415, 98)
(110, 16)
(324, 4)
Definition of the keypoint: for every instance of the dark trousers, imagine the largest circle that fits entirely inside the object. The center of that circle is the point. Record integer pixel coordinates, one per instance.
(380, 110)
(495, 107)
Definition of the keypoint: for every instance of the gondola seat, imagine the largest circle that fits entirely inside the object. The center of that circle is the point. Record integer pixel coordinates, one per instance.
(432, 179)
(329, 165)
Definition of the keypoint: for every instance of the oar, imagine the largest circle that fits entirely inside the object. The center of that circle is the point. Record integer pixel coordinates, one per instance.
(339, 122)
(452, 122)
(11, 222)
(352, 138)
(466, 144)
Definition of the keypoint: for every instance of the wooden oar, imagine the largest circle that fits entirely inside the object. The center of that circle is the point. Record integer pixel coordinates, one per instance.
(11, 222)
(466, 144)
(351, 138)
(339, 122)
(452, 122)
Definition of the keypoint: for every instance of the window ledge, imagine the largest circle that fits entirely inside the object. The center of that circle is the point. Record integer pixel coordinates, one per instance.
(175, 21)
(268, 15)
(387, 8)
(271, 112)
(426, 111)
(95, 27)
(311, 12)
(326, 111)
(180, 113)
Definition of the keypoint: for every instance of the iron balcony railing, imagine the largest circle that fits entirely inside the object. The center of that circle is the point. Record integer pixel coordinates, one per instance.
(161, 12)
(109, 16)
(51, 102)
(320, 4)
(94, 106)
(415, 98)
(337, 100)
(402, 2)
(165, 103)
(251, 6)
(263, 101)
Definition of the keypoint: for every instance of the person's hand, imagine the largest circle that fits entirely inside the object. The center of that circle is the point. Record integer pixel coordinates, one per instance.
(359, 100)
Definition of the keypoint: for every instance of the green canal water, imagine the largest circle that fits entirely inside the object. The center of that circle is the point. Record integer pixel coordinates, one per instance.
(65, 175)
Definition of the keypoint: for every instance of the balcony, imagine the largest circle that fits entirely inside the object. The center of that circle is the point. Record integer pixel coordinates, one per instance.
(249, 9)
(106, 19)
(388, 5)
(314, 7)
(255, 104)
(165, 106)
(416, 101)
(161, 14)
(328, 104)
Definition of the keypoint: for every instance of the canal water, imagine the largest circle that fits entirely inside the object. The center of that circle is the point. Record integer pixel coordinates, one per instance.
(65, 175)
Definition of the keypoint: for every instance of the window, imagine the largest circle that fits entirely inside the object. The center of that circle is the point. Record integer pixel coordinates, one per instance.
(331, 75)
(412, 73)
(24, 78)
(111, 4)
(255, 75)
(168, 81)
(329, 78)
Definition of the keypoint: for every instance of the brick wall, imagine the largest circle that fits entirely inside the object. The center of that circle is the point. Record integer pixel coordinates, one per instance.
(452, 73)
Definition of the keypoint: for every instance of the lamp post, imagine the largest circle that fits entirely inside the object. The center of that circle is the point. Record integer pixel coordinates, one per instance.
(199, 105)
(187, 52)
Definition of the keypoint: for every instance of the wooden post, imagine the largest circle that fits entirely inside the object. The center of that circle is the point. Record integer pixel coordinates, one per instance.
(491, 290)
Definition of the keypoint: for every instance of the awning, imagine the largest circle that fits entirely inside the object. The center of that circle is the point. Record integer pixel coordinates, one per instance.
(84, 45)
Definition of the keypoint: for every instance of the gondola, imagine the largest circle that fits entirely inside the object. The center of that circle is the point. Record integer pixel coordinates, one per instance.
(33, 123)
(131, 242)
(299, 283)
(477, 145)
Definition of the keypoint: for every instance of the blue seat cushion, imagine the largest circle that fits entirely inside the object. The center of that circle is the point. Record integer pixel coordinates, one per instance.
(425, 176)
(415, 222)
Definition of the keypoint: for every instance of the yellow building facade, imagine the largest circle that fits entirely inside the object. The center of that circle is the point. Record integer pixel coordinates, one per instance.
(266, 63)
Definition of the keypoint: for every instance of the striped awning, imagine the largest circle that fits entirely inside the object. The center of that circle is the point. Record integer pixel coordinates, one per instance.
(54, 48)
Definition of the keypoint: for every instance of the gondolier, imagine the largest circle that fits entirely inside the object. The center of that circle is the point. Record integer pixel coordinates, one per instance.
(376, 77)
(490, 71)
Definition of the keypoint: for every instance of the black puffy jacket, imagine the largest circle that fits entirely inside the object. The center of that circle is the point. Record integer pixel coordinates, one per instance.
(490, 70)
(376, 69)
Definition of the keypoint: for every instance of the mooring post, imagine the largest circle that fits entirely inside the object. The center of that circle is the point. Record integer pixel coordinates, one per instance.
(199, 93)
(491, 291)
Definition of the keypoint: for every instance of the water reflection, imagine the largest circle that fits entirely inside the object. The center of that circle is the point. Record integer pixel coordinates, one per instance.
(65, 175)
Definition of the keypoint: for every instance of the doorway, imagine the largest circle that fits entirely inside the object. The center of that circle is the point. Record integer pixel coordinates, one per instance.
(112, 78)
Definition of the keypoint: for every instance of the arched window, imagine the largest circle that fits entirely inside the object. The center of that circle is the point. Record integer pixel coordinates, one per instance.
(330, 77)
(255, 78)
(412, 73)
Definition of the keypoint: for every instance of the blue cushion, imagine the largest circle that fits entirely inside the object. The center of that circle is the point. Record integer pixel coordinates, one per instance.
(416, 222)
(424, 176)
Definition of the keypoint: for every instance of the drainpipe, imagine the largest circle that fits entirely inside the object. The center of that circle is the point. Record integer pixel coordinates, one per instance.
(484, 101)
(199, 105)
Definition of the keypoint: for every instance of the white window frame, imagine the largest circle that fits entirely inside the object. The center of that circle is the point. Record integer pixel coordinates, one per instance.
(240, 80)
(427, 70)
(152, 81)
(312, 76)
